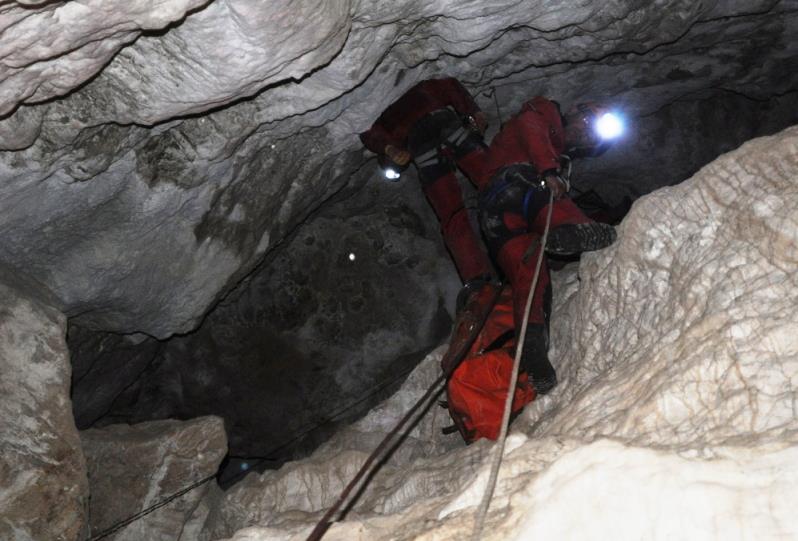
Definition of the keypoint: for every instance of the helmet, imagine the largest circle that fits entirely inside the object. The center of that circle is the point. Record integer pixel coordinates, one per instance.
(390, 169)
(590, 128)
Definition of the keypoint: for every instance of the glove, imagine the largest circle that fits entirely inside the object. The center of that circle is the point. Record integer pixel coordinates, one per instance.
(397, 155)
(558, 185)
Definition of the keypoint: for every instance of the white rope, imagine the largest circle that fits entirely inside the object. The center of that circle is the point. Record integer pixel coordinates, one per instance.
(499, 447)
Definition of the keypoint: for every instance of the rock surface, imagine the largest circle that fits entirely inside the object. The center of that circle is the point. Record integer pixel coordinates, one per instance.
(312, 332)
(199, 147)
(134, 466)
(43, 488)
(674, 418)
(84, 37)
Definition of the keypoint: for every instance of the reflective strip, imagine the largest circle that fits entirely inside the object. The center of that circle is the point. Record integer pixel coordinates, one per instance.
(459, 135)
(426, 156)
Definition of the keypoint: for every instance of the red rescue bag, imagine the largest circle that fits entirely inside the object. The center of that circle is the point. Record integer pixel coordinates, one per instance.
(477, 388)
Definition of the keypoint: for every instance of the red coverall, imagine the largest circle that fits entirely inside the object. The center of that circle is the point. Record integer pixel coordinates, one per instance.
(513, 213)
(422, 122)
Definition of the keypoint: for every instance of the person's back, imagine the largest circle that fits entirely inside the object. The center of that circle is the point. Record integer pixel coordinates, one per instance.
(395, 123)
(534, 135)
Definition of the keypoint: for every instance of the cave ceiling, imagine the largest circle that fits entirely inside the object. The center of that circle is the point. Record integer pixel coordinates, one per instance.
(155, 151)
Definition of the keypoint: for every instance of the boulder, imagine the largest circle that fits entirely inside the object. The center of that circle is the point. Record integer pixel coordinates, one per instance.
(132, 467)
(43, 487)
(674, 417)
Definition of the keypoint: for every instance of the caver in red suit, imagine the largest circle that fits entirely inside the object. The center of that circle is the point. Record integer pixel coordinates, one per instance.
(437, 124)
(524, 166)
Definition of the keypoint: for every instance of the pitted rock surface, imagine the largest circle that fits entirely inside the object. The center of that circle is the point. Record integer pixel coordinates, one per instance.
(132, 467)
(674, 418)
(354, 299)
(43, 487)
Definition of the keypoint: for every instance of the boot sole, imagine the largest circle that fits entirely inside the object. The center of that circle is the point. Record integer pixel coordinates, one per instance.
(570, 239)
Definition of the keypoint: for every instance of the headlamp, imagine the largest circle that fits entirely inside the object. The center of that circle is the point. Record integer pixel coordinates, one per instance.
(391, 173)
(608, 126)
(390, 169)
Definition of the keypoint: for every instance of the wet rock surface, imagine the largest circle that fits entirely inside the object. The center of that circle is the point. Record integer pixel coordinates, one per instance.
(43, 488)
(133, 467)
(678, 356)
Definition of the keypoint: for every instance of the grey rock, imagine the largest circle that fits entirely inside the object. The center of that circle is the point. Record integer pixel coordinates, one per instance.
(133, 467)
(678, 355)
(312, 333)
(43, 487)
(134, 217)
(82, 38)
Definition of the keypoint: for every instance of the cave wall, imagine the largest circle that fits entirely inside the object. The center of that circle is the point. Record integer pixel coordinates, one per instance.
(43, 488)
(210, 137)
(155, 154)
(675, 413)
(150, 199)
(308, 341)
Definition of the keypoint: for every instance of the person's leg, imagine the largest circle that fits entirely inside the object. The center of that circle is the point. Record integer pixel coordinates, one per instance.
(516, 251)
(446, 198)
(436, 172)
(518, 262)
(470, 155)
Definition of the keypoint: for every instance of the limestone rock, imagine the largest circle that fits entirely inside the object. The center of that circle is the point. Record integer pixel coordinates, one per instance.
(674, 417)
(312, 332)
(708, 355)
(43, 488)
(134, 466)
(302, 488)
(119, 219)
(82, 38)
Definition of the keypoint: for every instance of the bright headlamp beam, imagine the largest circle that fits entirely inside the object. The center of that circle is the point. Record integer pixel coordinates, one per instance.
(609, 126)
(391, 174)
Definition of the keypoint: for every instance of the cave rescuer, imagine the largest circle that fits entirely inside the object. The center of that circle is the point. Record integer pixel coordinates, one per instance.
(526, 161)
(437, 125)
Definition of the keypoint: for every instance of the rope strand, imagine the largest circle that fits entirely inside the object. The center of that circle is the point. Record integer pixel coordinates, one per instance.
(498, 449)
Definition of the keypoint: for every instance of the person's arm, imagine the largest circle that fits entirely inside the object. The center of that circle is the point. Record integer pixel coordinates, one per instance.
(379, 141)
(534, 135)
(376, 139)
(541, 152)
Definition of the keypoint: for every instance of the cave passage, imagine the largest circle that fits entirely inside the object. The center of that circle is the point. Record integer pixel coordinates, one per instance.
(208, 272)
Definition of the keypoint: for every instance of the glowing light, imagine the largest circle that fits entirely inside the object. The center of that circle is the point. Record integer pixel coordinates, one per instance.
(352, 256)
(244, 466)
(609, 126)
(392, 174)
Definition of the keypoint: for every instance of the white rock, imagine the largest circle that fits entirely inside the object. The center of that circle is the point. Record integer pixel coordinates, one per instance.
(674, 417)
(81, 37)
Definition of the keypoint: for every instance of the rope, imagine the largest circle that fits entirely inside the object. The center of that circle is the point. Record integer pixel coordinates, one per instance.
(499, 447)
(496, 103)
(119, 525)
(326, 521)
(146, 511)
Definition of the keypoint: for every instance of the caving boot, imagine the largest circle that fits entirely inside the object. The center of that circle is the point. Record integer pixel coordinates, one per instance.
(570, 239)
(535, 359)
